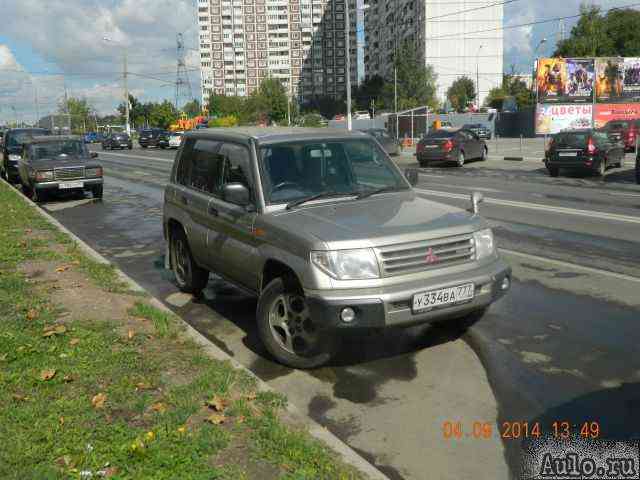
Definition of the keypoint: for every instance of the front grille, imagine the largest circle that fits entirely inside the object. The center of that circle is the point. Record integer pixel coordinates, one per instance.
(69, 173)
(425, 255)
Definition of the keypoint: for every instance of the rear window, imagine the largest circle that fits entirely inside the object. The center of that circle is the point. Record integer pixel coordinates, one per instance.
(618, 125)
(441, 134)
(572, 139)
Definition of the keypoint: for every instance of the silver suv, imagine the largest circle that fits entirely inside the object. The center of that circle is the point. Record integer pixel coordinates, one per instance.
(325, 230)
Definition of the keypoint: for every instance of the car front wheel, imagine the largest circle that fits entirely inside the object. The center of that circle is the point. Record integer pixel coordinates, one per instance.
(190, 277)
(460, 160)
(553, 171)
(286, 328)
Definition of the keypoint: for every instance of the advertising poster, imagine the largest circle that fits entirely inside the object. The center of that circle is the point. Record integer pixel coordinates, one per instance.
(631, 87)
(551, 118)
(605, 113)
(609, 79)
(580, 80)
(551, 78)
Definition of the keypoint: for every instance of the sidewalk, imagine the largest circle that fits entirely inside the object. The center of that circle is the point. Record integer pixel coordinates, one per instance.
(96, 382)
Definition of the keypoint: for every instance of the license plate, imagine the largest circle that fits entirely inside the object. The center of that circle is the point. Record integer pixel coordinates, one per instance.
(431, 146)
(567, 154)
(445, 296)
(68, 185)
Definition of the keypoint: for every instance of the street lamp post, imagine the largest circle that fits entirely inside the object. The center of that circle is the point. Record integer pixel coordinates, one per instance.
(124, 78)
(478, 77)
(347, 44)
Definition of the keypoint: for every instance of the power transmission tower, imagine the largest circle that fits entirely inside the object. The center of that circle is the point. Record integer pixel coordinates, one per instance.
(183, 85)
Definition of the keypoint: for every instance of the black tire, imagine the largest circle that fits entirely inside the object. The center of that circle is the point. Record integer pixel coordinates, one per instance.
(190, 277)
(485, 152)
(282, 304)
(424, 163)
(130, 147)
(602, 168)
(554, 171)
(97, 191)
(460, 160)
(638, 171)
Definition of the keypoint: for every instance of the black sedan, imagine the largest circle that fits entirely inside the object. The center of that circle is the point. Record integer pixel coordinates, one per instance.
(585, 149)
(479, 129)
(117, 140)
(52, 164)
(455, 146)
(389, 144)
(150, 137)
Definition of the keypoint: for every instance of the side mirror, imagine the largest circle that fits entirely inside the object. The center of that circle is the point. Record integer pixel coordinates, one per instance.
(411, 174)
(93, 154)
(476, 199)
(237, 194)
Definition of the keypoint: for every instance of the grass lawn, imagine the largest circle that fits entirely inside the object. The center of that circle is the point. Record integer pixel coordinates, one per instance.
(96, 383)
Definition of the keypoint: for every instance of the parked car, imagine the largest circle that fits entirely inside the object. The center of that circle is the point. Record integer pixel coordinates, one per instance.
(118, 140)
(175, 138)
(14, 140)
(479, 129)
(163, 140)
(150, 137)
(52, 164)
(361, 115)
(450, 146)
(637, 168)
(90, 137)
(626, 131)
(585, 149)
(389, 143)
(328, 233)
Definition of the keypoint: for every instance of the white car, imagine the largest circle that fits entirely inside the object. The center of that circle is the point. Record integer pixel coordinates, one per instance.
(175, 139)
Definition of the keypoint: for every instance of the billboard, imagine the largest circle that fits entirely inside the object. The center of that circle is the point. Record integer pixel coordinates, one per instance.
(551, 77)
(631, 79)
(580, 80)
(609, 79)
(605, 113)
(552, 118)
(565, 80)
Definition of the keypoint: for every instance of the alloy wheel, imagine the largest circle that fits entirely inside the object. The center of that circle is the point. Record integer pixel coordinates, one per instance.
(291, 325)
(181, 261)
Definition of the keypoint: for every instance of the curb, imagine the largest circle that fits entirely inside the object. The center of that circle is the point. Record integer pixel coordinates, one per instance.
(513, 159)
(349, 456)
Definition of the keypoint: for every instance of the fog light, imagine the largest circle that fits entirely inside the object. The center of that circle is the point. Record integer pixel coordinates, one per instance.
(506, 283)
(348, 315)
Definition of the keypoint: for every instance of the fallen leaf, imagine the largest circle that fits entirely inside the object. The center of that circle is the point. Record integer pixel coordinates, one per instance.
(61, 421)
(240, 419)
(182, 430)
(47, 374)
(76, 262)
(251, 396)
(74, 341)
(3, 357)
(98, 400)
(143, 386)
(137, 446)
(150, 436)
(62, 268)
(109, 472)
(64, 314)
(65, 461)
(20, 398)
(52, 330)
(32, 314)
(159, 407)
(130, 334)
(60, 329)
(217, 403)
(67, 378)
(216, 418)
(28, 230)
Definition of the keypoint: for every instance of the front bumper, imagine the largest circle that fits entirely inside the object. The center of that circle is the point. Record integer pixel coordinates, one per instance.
(392, 306)
(89, 183)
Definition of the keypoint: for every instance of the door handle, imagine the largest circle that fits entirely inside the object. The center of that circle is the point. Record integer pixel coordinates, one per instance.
(213, 211)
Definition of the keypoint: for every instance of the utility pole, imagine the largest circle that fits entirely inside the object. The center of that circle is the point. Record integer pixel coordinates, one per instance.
(395, 68)
(35, 87)
(182, 77)
(347, 43)
(478, 77)
(126, 94)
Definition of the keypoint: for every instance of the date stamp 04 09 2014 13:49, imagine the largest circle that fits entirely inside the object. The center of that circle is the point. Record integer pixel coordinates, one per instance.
(560, 450)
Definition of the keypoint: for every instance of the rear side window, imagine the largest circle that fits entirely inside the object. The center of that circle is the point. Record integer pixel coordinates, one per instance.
(200, 166)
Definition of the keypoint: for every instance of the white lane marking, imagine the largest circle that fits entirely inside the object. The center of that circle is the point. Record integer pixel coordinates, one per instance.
(431, 176)
(537, 206)
(616, 194)
(560, 263)
(166, 160)
(526, 159)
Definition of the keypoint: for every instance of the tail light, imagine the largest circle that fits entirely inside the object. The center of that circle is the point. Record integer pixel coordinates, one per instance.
(591, 147)
(631, 136)
(448, 146)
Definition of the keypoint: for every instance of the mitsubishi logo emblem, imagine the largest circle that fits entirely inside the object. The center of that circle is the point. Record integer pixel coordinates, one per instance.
(431, 257)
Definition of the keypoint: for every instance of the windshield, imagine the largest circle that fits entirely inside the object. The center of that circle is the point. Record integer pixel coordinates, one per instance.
(17, 139)
(61, 148)
(572, 139)
(291, 171)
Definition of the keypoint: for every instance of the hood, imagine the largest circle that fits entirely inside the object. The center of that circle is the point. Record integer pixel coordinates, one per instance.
(380, 220)
(58, 162)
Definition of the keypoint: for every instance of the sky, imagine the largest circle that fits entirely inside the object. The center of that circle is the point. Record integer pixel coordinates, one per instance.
(53, 45)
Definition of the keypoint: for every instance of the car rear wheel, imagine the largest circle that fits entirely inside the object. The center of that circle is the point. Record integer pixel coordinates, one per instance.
(602, 168)
(190, 277)
(460, 160)
(286, 328)
(97, 191)
(553, 171)
(485, 152)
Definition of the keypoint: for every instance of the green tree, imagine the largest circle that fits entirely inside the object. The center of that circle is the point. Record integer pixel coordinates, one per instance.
(80, 112)
(273, 95)
(512, 86)
(325, 105)
(371, 90)
(461, 92)
(416, 81)
(192, 108)
(163, 114)
(590, 37)
(223, 106)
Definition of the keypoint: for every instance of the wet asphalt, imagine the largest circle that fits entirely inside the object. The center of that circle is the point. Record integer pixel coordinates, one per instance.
(552, 349)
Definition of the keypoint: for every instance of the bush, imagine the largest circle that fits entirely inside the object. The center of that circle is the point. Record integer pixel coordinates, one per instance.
(311, 120)
(228, 121)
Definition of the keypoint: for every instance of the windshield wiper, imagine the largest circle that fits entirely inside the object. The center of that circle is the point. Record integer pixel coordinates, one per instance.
(318, 196)
(376, 191)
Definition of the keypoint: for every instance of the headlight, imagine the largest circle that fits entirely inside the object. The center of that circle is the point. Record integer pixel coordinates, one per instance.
(93, 172)
(485, 246)
(44, 175)
(14, 158)
(357, 264)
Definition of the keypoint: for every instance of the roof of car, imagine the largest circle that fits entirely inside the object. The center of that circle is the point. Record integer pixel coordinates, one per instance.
(275, 134)
(53, 138)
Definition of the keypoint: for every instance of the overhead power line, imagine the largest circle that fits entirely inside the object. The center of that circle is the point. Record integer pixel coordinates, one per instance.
(529, 24)
(475, 9)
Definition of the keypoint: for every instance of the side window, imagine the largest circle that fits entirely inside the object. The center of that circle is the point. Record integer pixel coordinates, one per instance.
(200, 166)
(237, 165)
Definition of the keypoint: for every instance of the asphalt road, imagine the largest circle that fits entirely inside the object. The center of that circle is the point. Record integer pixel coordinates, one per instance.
(563, 343)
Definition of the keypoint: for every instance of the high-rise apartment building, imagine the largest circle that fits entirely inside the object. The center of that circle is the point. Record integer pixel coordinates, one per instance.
(300, 42)
(456, 37)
